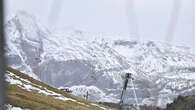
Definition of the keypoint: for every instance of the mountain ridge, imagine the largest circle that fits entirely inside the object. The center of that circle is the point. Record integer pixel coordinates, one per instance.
(86, 59)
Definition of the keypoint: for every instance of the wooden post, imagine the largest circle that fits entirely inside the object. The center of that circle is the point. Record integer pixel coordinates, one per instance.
(2, 59)
(86, 96)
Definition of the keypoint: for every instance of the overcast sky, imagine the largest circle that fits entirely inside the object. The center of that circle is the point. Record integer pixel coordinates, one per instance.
(149, 18)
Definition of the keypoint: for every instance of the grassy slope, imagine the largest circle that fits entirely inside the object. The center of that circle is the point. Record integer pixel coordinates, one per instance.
(36, 101)
(182, 103)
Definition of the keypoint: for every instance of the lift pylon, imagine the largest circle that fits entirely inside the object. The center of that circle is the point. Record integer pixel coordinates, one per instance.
(122, 105)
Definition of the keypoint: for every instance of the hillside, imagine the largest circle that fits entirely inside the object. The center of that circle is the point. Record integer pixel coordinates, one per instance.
(179, 103)
(28, 93)
(182, 103)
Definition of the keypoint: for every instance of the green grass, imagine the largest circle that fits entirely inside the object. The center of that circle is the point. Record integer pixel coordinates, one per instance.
(35, 101)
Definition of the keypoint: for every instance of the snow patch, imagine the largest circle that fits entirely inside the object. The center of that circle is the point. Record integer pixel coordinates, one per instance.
(10, 107)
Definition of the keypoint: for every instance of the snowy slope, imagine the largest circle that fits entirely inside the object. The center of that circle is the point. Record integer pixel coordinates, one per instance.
(19, 85)
(10, 107)
(13, 79)
(97, 62)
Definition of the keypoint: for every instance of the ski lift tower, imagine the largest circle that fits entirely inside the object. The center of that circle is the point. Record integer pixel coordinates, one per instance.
(122, 105)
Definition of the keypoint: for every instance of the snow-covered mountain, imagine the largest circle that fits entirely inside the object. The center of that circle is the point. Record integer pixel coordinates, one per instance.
(98, 62)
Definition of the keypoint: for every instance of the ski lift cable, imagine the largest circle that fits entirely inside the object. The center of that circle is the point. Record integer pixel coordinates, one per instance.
(173, 21)
(174, 16)
(132, 18)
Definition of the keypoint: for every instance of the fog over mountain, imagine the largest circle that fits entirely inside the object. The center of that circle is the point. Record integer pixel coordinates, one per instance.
(97, 62)
(150, 19)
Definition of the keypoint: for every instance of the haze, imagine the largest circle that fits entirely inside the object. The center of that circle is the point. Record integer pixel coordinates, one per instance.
(146, 19)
